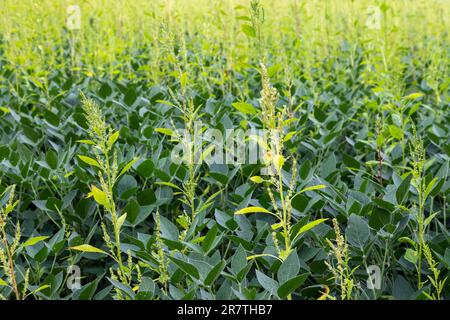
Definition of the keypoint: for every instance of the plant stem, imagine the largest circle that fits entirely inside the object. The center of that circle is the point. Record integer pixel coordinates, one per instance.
(421, 240)
(11, 265)
(285, 218)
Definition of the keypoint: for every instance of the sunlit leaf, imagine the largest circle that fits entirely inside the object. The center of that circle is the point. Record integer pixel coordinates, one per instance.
(89, 161)
(33, 241)
(88, 248)
(99, 196)
(252, 210)
(128, 166)
(245, 108)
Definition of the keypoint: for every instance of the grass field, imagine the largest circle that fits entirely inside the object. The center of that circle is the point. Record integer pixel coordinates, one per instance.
(235, 149)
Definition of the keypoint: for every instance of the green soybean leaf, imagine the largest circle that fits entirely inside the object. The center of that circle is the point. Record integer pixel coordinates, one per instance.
(122, 287)
(291, 285)
(267, 283)
(411, 256)
(289, 268)
(214, 273)
(186, 267)
(402, 190)
(249, 30)
(209, 238)
(357, 231)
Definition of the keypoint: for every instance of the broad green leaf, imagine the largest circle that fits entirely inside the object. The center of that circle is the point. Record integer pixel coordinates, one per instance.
(357, 231)
(33, 241)
(289, 268)
(167, 132)
(214, 273)
(411, 256)
(123, 287)
(350, 162)
(145, 168)
(239, 260)
(208, 240)
(88, 290)
(396, 132)
(3, 283)
(291, 285)
(147, 285)
(402, 289)
(52, 159)
(402, 190)
(100, 197)
(168, 229)
(245, 107)
(267, 283)
(249, 30)
(186, 267)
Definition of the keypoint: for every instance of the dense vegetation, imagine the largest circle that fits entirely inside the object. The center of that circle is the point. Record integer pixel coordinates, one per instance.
(349, 200)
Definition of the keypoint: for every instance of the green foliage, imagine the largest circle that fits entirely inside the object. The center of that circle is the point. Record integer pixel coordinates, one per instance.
(354, 174)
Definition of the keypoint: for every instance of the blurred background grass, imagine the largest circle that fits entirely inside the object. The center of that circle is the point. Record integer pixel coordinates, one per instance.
(144, 39)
